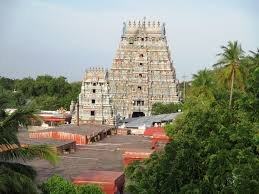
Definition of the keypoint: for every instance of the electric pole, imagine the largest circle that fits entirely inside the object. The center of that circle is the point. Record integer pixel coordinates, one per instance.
(77, 113)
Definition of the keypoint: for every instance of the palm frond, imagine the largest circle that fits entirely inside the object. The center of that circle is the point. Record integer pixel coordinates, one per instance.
(20, 168)
(19, 117)
(15, 182)
(45, 152)
(229, 59)
(240, 79)
(8, 138)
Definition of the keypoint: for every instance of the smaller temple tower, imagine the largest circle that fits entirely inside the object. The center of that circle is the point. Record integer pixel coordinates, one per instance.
(94, 99)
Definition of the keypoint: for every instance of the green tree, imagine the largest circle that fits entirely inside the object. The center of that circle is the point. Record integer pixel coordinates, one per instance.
(249, 101)
(15, 176)
(203, 84)
(214, 149)
(45, 92)
(230, 59)
(210, 151)
(7, 83)
(45, 102)
(163, 108)
(26, 86)
(254, 59)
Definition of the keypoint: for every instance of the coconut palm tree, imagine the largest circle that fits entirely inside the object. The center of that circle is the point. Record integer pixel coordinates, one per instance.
(9, 144)
(203, 83)
(254, 59)
(15, 176)
(230, 62)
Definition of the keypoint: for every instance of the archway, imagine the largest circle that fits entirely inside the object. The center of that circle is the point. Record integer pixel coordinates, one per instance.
(138, 114)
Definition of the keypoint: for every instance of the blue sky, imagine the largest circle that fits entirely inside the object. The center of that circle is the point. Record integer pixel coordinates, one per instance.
(66, 37)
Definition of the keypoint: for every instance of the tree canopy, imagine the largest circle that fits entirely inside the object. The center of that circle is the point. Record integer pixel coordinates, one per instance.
(45, 92)
(215, 148)
(161, 108)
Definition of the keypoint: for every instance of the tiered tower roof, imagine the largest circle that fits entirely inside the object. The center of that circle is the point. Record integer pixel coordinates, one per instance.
(96, 74)
(133, 27)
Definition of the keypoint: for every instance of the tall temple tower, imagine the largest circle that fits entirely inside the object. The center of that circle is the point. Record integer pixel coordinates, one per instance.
(94, 100)
(142, 71)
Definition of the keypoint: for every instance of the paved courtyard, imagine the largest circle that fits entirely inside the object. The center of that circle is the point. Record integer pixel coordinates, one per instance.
(102, 155)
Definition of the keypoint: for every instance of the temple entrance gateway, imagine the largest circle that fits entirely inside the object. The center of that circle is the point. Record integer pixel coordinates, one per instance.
(142, 71)
(141, 75)
(138, 114)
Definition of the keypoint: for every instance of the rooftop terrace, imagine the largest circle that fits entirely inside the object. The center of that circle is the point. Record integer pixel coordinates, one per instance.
(103, 155)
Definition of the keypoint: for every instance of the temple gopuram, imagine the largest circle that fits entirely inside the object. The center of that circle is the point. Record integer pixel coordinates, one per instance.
(142, 74)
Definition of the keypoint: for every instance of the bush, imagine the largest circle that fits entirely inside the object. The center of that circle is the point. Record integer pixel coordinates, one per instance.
(160, 108)
(57, 185)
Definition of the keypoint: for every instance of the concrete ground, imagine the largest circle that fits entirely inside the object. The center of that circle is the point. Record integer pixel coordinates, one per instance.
(103, 155)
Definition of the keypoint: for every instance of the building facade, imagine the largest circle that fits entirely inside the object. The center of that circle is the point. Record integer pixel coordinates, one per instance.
(142, 74)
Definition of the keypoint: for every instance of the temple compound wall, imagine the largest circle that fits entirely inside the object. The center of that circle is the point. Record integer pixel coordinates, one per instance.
(142, 74)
